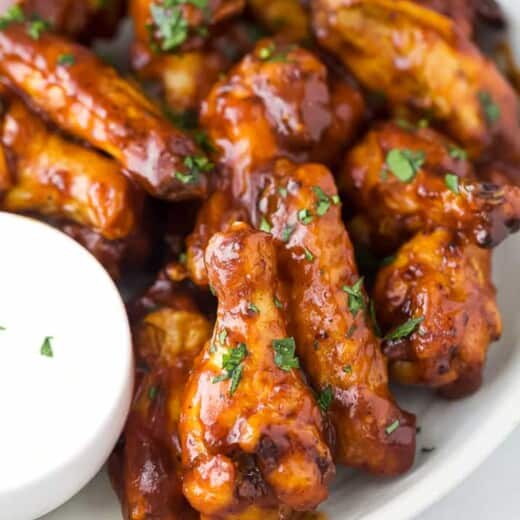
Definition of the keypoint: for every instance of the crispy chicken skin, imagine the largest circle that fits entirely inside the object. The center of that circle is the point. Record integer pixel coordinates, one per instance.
(252, 434)
(417, 57)
(449, 285)
(288, 19)
(56, 177)
(279, 102)
(395, 208)
(146, 471)
(88, 99)
(336, 343)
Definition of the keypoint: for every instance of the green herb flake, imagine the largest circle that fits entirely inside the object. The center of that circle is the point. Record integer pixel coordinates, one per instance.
(287, 231)
(404, 330)
(284, 356)
(65, 60)
(392, 427)
(387, 260)
(308, 255)
(264, 53)
(213, 348)
(46, 348)
(490, 108)
(323, 203)
(212, 290)
(404, 163)
(2, 328)
(335, 200)
(404, 124)
(253, 308)
(457, 153)
(222, 336)
(452, 182)
(373, 318)
(356, 299)
(37, 27)
(283, 192)
(203, 140)
(277, 303)
(11, 15)
(325, 398)
(183, 258)
(305, 216)
(265, 226)
(347, 369)
(152, 392)
(233, 367)
(196, 165)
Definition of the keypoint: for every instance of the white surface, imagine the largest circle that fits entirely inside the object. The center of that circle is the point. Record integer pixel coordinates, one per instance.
(61, 415)
(464, 433)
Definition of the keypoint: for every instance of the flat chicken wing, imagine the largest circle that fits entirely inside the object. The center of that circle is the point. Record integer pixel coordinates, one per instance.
(146, 471)
(417, 58)
(329, 317)
(405, 180)
(88, 99)
(252, 434)
(56, 177)
(438, 304)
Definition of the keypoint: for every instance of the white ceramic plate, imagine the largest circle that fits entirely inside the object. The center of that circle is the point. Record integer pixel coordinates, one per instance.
(464, 433)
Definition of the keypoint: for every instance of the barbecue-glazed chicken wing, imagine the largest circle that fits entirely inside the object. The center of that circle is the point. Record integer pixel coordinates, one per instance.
(417, 58)
(55, 177)
(75, 90)
(146, 470)
(437, 302)
(252, 434)
(279, 101)
(329, 318)
(407, 180)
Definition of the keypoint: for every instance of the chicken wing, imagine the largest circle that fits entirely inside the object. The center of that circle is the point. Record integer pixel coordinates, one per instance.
(55, 177)
(79, 93)
(405, 180)
(278, 102)
(147, 469)
(417, 58)
(252, 434)
(438, 303)
(329, 318)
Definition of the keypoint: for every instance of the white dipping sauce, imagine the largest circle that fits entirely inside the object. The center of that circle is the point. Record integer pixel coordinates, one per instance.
(60, 416)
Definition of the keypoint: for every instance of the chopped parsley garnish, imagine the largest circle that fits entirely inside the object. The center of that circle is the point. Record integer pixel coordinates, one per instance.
(457, 153)
(373, 317)
(213, 348)
(350, 331)
(183, 258)
(46, 348)
(185, 120)
(202, 139)
(212, 290)
(232, 364)
(347, 369)
(36, 27)
(284, 356)
(277, 303)
(265, 226)
(387, 260)
(269, 53)
(152, 392)
(405, 329)
(222, 336)
(2, 328)
(404, 124)
(335, 199)
(404, 163)
(323, 204)
(253, 308)
(392, 427)
(283, 192)
(490, 108)
(452, 182)
(308, 255)
(66, 59)
(196, 165)
(172, 27)
(305, 216)
(13, 14)
(356, 300)
(287, 231)
(325, 398)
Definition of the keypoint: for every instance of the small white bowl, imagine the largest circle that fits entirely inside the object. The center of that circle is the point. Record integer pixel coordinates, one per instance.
(62, 411)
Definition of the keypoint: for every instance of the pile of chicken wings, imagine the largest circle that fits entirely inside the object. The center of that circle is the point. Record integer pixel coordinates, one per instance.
(309, 193)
